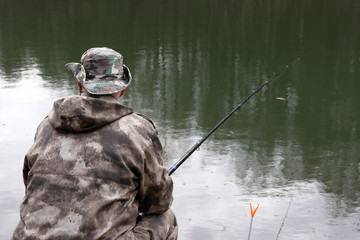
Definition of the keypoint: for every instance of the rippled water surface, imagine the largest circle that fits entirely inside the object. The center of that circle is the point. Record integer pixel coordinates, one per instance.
(192, 63)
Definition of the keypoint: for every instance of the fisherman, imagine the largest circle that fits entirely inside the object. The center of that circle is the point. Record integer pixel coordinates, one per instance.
(95, 169)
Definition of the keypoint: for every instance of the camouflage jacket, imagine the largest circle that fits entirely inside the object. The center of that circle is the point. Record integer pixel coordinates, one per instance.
(94, 165)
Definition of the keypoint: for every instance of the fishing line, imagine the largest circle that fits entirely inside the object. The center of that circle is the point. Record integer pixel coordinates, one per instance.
(283, 222)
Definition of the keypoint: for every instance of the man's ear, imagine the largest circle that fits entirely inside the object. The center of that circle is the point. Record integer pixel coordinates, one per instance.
(80, 87)
(122, 92)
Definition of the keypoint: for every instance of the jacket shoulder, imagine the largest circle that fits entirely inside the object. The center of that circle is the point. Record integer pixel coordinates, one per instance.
(147, 118)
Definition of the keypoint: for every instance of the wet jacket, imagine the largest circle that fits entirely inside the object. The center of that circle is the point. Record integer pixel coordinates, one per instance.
(94, 165)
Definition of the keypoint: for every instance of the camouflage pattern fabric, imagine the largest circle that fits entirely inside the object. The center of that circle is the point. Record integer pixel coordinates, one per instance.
(101, 71)
(93, 167)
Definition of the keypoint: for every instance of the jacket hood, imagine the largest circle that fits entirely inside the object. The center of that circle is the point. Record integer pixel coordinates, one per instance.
(82, 114)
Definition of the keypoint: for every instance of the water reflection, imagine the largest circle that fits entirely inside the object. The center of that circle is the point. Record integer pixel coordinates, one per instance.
(192, 62)
(25, 101)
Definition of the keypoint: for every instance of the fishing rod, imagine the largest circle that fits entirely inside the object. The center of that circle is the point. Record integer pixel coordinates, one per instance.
(197, 145)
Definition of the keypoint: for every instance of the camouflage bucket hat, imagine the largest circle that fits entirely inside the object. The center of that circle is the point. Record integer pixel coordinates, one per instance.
(101, 71)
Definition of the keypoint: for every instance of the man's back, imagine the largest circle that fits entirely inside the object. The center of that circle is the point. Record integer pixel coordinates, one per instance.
(93, 166)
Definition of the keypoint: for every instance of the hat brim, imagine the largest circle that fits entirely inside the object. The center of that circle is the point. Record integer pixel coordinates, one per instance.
(102, 84)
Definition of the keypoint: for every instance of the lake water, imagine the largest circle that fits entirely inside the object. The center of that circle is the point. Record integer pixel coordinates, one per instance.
(192, 63)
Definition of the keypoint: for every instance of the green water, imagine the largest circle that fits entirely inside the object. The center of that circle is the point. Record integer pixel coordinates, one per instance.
(192, 63)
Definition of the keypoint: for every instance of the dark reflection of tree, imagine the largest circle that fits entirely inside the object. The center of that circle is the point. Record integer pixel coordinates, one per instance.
(193, 61)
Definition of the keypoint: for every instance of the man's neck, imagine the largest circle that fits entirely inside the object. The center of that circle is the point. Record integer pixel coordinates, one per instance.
(108, 97)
